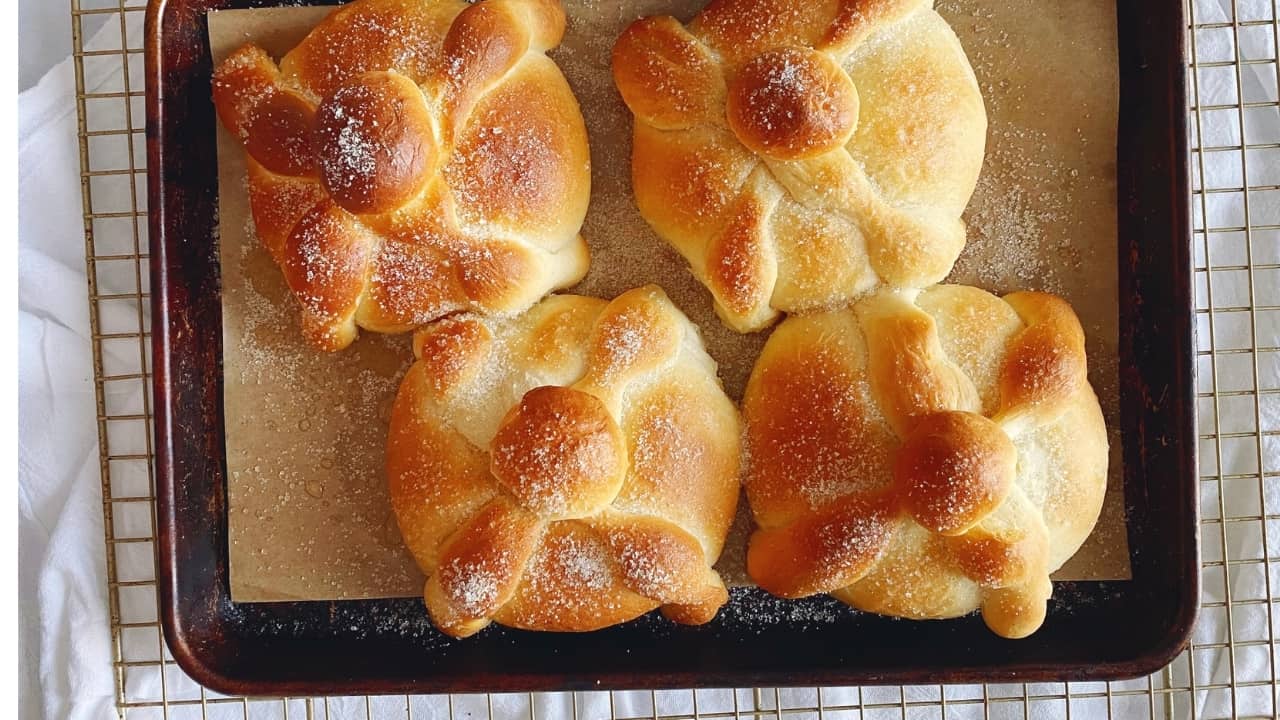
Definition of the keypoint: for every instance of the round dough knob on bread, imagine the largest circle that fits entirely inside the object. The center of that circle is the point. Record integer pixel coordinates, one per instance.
(925, 454)
(409, 160)
(567, 469)
(559, 453)
(801, 154)
(374, 142)
(792, 103)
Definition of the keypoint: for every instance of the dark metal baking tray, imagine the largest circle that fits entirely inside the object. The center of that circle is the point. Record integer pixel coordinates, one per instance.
(1094, 631)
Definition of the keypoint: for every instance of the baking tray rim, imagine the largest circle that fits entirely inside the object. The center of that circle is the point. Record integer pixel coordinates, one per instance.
(1142, 217)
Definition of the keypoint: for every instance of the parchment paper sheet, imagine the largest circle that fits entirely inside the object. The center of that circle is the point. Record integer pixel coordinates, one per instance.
(309, 517)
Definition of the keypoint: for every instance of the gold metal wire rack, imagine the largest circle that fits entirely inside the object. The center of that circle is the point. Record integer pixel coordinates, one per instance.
(1228, 671)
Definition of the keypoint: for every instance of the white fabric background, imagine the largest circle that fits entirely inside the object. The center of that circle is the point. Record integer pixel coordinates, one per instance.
(65, 642)
(44, 37)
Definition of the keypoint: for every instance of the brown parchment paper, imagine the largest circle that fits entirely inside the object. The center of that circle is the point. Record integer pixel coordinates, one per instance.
(305, 431)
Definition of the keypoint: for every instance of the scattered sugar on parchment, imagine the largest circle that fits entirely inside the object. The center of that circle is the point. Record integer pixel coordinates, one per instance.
(318, 423)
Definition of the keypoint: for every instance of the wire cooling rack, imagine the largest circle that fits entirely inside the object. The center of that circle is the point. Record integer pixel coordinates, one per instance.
(1229, 669)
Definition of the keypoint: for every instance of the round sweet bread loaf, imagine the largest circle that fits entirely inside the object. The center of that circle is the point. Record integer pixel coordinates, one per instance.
(411, 159)
(568, 469)
(924, 454)
(802, 154)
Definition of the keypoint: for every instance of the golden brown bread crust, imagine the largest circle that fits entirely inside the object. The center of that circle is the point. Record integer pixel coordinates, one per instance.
(925, 454)
(799, 154)
(413, 158)
(567, 469)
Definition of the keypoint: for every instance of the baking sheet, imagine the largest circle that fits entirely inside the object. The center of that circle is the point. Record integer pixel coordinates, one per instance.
(308, 512)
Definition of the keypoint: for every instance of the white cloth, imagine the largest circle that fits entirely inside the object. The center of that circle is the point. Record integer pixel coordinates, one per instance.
(65, 644)
(44, 37)
(64, 636)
